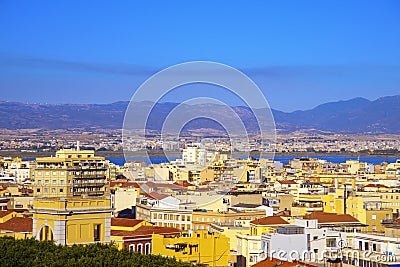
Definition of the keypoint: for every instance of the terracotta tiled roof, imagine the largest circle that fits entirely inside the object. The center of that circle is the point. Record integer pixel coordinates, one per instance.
(4, 213)
(376, 185)
(283, 213)
(162, 185)
(270, 220)
(325, 217)
(146, 231)
(155, 195)
(125, 222)
(17, 224)
(280, 263)
(124, 183)
(183, 183)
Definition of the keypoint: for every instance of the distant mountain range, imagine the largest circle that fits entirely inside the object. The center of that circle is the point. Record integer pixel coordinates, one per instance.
(354, 116)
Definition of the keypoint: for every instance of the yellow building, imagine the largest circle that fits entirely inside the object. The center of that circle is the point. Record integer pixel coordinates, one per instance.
(333, 202)
(266, 225)
(200, 247)
(231, 232)
(71, 173)
(123, 224)
(17, 227)
(391, 200)
(370, 208)
(202, 219)
(370, 211)
(306, 203)
(72, 203)
(72, 221)
(5, 215)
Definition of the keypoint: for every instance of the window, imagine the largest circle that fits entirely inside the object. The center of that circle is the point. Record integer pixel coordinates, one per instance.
(131, 247)
(373, 216)
(97, 232)
(54, 181)
(62, 182)
(61, 190)
(140, 248)
(331, 242)
(53, 190)
(147, 249)
(45, 190)
(374, 228)
(38, 190)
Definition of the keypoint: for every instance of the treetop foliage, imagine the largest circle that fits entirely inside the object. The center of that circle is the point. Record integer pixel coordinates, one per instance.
(30, 252)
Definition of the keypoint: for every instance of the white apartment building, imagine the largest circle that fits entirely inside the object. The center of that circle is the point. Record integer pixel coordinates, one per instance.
(303, 240)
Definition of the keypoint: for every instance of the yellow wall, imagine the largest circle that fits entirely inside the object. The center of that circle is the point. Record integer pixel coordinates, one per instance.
(260, 229)
(355, 207)
(128, 228)
(333, 204)
(230, 233)
(210, 249)
(9, 216)
(81, 216)
(205, 219)
(17, 235)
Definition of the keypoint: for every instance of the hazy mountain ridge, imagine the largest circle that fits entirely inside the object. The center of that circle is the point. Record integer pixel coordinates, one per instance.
(354, 116)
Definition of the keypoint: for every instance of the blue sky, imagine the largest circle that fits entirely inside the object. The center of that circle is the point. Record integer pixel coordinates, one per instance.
(300, 53)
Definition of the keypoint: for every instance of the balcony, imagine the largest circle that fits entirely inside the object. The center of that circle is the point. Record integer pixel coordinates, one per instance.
(89, 184)
(307, 205)
(89, 176)
(89, 193)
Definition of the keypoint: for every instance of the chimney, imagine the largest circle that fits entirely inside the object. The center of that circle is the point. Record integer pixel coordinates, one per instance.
(77, 146)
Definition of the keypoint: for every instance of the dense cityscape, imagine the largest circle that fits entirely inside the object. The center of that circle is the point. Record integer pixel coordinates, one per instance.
(206, 207)
(109, 142)
(199, 133)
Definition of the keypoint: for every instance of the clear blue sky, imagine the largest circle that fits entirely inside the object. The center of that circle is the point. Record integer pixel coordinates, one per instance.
(300, 53)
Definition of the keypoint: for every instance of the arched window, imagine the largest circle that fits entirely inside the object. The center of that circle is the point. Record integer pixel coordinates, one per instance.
(140, 248)
(131, 247)
(46, 234)
(147, 249)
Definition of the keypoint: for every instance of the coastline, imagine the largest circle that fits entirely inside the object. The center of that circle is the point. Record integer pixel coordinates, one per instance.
(133, 154)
